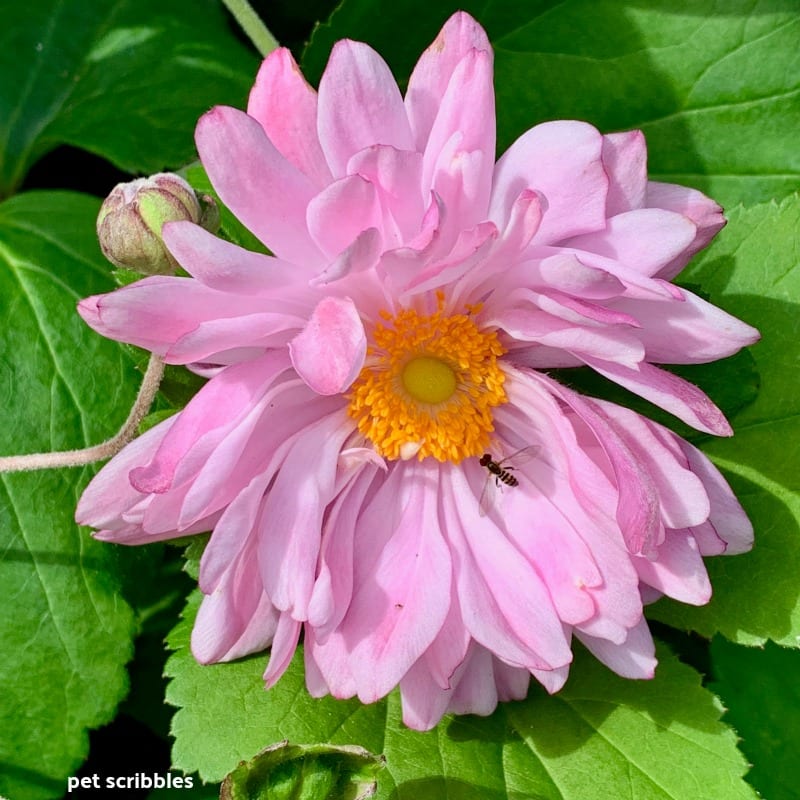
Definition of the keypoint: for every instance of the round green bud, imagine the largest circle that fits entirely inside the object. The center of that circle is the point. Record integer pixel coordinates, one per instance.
(131, 217)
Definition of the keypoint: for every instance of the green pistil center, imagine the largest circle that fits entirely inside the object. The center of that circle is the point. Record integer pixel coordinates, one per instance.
(429, 380)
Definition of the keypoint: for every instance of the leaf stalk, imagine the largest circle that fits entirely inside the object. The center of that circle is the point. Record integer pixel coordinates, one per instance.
(98, 452)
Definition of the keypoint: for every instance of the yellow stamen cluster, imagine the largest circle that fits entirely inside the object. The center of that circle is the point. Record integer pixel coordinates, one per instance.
(431, 382)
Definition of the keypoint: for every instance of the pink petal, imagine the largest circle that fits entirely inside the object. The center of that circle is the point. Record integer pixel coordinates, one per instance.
(512, 682)
(673, 394)
(396, 174)
(474, 124)
(708, 540)
(458, 180)
(584, 341)
(449, 649)
(284, 644)
(646, 239)
(235, 532)
(255, 446)
(523, 223)
(553, 680)
(504, 604)
(213, 341)
(424, 701)
(583, 494)
(110, 493)
(329, 352)
(327, 666)
(560, 160)
(236, 615)
(257, 634)
(333, 587)
(341, 211)
(727, 515)
(476, 691)
(266, 192)
(155, 312)
(635, 658)
(625, 162)
(292, 516)
(526, 214)
(224, 266)
(223, 399)
(401, 592)
(688, 332)
(682, 495)
(595, 312)
(637, 504)
(701, 210)
(636, 283)
(359, 105)
(678, 570)
(468, 252)
(568, 274)
(598, 318)
(361, 256)
(433, 72)
(286, 106)
(219, 634)
(134, 533)
(555, 548)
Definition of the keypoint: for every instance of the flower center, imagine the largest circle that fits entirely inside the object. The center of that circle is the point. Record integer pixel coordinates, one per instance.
(429, 380)
(429, 386)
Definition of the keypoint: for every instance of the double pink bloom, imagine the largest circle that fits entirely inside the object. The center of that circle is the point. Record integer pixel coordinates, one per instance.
(375, 205)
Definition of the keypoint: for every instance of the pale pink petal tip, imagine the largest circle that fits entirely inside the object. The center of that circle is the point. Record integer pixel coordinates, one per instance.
(89, 310)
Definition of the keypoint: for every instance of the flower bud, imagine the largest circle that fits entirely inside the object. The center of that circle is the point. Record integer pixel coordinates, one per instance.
(131, 217)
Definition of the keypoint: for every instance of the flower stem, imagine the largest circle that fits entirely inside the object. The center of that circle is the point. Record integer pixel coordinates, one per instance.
(252, 25)
(112, 446)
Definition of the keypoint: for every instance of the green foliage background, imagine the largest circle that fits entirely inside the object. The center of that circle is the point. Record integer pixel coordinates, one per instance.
(714, 86)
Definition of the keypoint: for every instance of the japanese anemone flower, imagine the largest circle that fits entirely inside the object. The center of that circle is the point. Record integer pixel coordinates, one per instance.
(399, 332)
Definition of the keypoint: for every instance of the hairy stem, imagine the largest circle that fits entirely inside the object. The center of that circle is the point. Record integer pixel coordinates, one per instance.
(252, 25)
(112, 446)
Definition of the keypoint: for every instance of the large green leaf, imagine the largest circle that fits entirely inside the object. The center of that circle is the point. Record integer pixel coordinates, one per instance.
(65, 632)
(760, 689)
(126, 79)
(715, 87)
(602, 736)
(753, 269)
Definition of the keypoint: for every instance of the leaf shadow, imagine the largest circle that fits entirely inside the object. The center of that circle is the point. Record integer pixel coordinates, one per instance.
(55, 557)
(30, 780)
(553, 727)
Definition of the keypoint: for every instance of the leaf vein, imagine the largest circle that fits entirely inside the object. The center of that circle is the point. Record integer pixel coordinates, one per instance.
(26, 292)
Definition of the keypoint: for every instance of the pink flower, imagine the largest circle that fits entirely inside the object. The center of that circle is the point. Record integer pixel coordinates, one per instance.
(397, 334)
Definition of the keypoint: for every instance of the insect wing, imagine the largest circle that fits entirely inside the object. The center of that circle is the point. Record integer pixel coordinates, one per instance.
(519, 457)
(491, 491)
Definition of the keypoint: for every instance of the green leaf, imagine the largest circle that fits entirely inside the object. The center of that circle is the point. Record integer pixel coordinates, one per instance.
(66, 633)
(125, 79)
(716, 89)
(764, 707)
(753, 271)
(602, 736)
(305, 772)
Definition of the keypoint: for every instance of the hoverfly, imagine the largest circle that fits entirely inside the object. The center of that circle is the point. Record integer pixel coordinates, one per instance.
(503, 473)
